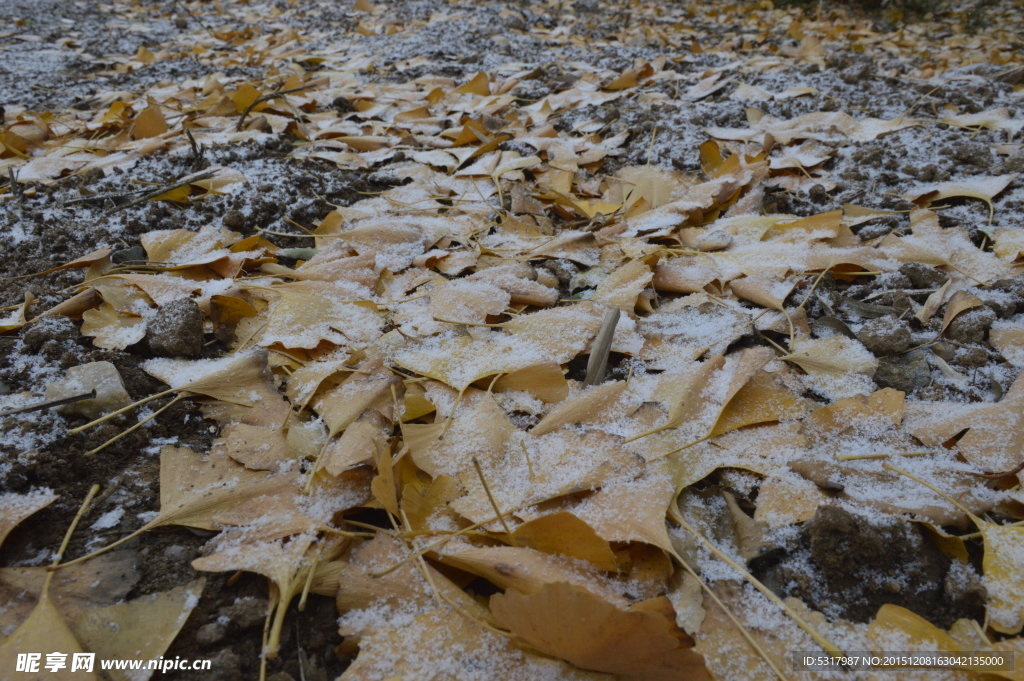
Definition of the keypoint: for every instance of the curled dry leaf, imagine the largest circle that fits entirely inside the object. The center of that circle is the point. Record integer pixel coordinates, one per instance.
(112, 330)
(18, 317)
(568, 622)
(984, 188)
(14, 508)
(835, 356)
(528, 571)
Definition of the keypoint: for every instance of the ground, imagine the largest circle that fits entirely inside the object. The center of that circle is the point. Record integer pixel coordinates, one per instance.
(676, 144)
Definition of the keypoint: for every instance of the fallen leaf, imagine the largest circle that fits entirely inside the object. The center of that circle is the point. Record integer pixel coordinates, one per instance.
(984, 188)
(14, 508)
(565, 621)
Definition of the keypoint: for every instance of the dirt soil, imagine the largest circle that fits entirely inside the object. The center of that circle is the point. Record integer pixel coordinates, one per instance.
(58, 55)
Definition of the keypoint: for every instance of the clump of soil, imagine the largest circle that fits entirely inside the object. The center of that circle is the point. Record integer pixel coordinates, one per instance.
(848, 565)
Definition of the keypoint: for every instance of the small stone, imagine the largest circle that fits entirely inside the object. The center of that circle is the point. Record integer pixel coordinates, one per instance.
(1014, 164)
(885, 336)
(342, 105)
(177, 329)
(104, 377)
(211, 634)
(54, 328)
(818, 194)
(970, 357)
(246, 613)
(225, 666)
(971, 326)
(565, 270)
(945, 351)
(52, 350)
(1014, 286)
(133, 254)
(233, 219)
(973, 153)
(176, 552)
(1003, 303)
(180, 23)
(923, 276)
(963, 585)
(903, 372)
(901, 303)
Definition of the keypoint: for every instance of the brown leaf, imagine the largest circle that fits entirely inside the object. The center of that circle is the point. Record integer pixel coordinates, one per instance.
(145, 626)
(566, 534)
(567, 622)
(14, 508)
(591, 404)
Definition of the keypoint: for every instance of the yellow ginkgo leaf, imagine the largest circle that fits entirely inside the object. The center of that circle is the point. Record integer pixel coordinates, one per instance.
(16, 507)
(984, 188)
(112, 330)
(833, 356)
(17, 318)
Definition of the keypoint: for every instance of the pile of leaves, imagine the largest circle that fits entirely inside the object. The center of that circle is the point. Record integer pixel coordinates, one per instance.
(534, 408)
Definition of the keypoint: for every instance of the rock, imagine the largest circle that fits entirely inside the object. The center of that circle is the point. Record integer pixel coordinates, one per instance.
(973, 153)
(176, 552)
(893, 280)
(1013, 286)
(1014, 164)
(818, 195)
(923, 276)
(964, 587)
(52, 350)
(233, 219)
(1003, 302)
(104, 377)
(211, 634)
(901, 303)
(177, 329)
(225, 666)
(944, 350)
(281, 676)
(885, 336)
(971, 326)
(903, 372)
(565, 270)
(857, 555)
(246, 613)
(133, 254)
(54, 328)
(970, 357)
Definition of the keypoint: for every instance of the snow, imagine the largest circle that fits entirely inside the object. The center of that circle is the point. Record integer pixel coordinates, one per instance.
(109, 519)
